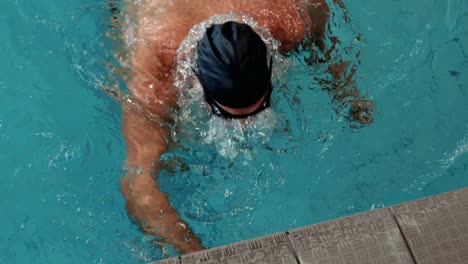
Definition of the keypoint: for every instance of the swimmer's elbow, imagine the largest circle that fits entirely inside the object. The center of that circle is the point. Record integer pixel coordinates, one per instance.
(142, 195)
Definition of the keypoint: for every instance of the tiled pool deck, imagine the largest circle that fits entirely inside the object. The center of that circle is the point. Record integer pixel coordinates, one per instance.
(430, 230)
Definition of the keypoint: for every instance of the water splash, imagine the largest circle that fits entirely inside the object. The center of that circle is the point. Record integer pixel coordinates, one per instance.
(441, 166)
(194, 122)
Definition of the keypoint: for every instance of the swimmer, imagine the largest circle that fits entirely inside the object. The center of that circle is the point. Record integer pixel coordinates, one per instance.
(234, 70)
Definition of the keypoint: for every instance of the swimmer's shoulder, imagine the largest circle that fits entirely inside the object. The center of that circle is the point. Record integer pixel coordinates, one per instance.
(316, 14)
(163, 26)
(293, 22)
(289, 21)
(159, 31)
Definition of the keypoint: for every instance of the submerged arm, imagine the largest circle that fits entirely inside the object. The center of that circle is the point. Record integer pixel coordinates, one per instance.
(345, 92)
(342, 87)
(146, 142)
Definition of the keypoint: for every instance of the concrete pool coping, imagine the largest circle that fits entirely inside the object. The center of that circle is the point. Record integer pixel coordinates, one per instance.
(429, 230)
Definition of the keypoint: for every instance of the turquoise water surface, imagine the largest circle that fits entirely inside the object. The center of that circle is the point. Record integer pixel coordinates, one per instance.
(63, 151)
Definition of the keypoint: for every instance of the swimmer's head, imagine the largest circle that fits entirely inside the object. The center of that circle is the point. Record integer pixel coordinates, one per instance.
(233, 70)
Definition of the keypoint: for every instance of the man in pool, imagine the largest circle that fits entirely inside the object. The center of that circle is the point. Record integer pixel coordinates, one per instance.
(233, 70)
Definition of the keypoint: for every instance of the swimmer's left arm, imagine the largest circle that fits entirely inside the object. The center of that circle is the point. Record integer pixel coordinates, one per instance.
(344, 91)
(342, 87)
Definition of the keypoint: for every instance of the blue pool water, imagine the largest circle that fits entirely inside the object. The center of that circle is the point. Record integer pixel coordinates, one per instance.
(62, 151)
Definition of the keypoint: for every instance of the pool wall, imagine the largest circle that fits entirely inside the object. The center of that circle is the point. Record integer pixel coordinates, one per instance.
(430, 230)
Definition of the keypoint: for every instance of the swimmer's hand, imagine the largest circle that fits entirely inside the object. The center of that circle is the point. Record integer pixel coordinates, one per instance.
(151, 208)
(347, 95)
(361, 111)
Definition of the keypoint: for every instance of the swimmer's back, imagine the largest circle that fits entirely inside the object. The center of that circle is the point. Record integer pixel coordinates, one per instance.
(163, 25)
(177, 17)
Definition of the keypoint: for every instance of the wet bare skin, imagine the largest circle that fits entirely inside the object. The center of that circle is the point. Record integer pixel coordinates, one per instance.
(162, 26)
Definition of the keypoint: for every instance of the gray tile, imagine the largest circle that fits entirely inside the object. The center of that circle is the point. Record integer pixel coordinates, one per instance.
(274, 249)
(431, 230)
(373, 237)
(436, 228)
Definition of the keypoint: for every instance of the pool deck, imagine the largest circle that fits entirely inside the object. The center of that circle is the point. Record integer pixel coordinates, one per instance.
(430, 230)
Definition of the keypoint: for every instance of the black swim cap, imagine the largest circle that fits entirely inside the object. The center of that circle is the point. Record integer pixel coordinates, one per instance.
(232, 65)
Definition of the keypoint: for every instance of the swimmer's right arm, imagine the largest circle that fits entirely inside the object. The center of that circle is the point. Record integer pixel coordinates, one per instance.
(146, 142)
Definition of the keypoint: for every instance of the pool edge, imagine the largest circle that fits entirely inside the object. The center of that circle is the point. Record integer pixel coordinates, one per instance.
(427, 230)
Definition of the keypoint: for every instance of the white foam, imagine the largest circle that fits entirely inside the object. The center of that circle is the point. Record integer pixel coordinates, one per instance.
(194, 121)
